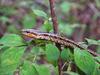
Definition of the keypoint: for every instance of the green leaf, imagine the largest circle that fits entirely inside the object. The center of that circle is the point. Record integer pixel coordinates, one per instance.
(28, 69)
(42, 69)
(65, 6)
(91, 41)
(1, 47)
(47, 26)
(98, 49)
(11, 40)
(10, 59)
(52, 52)
(84, 61)
(40, 13)
(97, 3)
(97, 69)
(70, 73)
(12, 29)
(66, 29)
(37, 50)
(97, 58)
(29, 21)
(65, 54)
(7, 10)
(4, 19)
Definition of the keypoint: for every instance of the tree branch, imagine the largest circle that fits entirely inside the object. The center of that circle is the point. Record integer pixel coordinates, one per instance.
(54, 18)
(55, 28)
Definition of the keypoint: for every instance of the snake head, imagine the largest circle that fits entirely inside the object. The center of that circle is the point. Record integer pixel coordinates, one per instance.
(31, 33)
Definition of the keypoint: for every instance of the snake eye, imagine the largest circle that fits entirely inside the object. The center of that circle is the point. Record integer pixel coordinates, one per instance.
(27, 31)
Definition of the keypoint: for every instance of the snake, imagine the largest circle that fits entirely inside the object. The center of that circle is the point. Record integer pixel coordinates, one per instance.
(36, 34)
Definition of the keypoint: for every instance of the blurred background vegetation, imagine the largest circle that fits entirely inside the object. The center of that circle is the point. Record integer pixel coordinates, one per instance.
(78, 19)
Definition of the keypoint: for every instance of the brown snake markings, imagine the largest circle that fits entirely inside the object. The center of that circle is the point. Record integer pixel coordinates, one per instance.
(54, 38)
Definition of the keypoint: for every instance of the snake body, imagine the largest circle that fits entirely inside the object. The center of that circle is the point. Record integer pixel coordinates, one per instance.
(54, 38)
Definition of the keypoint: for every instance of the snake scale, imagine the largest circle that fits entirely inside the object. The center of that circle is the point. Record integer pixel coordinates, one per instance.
(54, 38)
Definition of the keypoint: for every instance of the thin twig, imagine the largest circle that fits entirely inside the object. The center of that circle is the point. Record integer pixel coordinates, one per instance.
(55, 28)
(54, 18)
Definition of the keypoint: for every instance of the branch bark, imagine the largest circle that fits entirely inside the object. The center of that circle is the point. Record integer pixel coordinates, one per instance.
(53, 16)
(55, 28)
